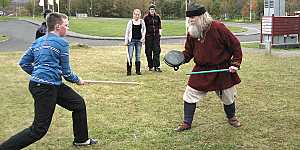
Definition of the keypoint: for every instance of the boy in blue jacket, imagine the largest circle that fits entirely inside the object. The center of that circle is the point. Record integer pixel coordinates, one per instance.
(47, 61)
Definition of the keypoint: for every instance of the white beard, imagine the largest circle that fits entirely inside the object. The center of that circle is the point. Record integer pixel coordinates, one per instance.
(196, 30)
(199, 26)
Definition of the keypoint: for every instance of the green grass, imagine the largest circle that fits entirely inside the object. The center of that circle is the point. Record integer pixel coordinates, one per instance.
(3, 38)
(256, 45)
(245, 20)
(115, 27)
(237, 29)
(144, 116)
(250, 45)
(101, 27)
(5, 18)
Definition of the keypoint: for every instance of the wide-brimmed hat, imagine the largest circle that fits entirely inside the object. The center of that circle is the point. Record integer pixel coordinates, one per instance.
(195, 10)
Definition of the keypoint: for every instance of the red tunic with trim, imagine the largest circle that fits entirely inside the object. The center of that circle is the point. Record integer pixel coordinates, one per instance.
(219, 50)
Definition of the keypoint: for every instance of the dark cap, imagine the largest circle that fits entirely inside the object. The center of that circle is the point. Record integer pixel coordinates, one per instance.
(195, 10)
(46, 12)
(152, 6)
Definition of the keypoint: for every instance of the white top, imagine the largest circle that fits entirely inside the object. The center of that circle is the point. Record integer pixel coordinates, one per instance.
(128, 33)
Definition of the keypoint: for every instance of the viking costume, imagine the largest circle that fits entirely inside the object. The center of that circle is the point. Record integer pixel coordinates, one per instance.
(218, 48)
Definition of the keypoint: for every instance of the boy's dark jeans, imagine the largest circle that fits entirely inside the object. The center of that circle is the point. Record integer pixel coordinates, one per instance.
(45, 99)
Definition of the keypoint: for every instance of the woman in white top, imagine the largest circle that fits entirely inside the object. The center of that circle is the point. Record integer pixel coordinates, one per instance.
(134, 37)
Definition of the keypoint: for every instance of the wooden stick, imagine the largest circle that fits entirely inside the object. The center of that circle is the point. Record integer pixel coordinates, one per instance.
(109, 82)
(128, 58)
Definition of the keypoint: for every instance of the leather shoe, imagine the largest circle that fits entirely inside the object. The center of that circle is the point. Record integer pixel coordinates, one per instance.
(182, 127)
(234, 122)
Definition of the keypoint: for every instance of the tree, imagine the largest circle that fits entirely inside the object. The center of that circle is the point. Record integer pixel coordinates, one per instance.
(245, 9)
(229, 8)
(292, 6)
(259, 11)
(5, 3)
(168, 9)
(172, 9)
(215, 8)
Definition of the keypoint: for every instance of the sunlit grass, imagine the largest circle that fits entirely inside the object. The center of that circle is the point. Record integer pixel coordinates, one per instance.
(115, 27)
(256, 46)
(144, 116)
(237, 29)
(6, 18)
(250, 45)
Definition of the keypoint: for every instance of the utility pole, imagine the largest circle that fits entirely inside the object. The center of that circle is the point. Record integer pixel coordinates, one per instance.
(16, 9)
(69, 8)
(33, 9)
(250, 11)
(186, 18)
(53, 6)
(91, 8)
(57, 5)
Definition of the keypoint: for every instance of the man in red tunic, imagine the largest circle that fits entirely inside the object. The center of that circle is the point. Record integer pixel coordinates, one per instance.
(212, 46)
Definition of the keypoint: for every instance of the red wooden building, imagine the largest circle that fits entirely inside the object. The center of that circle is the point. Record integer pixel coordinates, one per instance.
(287, 27)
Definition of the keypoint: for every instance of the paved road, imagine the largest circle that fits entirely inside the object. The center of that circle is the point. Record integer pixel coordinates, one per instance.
(22, 33)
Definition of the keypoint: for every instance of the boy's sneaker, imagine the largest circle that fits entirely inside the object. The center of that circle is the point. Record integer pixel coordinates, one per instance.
(90, 141)
(157, 69)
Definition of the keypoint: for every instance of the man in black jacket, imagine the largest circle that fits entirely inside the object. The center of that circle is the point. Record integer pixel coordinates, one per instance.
(42, 30)
(152, 40)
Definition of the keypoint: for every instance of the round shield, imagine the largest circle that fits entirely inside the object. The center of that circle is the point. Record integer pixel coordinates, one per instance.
(174, 58)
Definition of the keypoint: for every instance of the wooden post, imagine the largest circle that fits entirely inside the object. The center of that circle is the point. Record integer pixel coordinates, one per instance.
(268, 46)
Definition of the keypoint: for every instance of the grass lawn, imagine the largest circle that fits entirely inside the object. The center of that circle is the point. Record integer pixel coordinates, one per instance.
(5, 18)
(115, 27)
(144, 116)
(256, 46)
(3, 37)
(250, 45)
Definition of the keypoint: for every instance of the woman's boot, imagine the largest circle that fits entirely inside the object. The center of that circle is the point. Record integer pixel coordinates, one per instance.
(138, 68)
(129, 68)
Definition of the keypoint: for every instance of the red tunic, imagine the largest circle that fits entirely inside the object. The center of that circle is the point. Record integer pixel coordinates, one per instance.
(219, 50)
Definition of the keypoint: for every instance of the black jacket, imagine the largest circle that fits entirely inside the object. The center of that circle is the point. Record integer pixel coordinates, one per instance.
(153, 24)
(41, 31)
